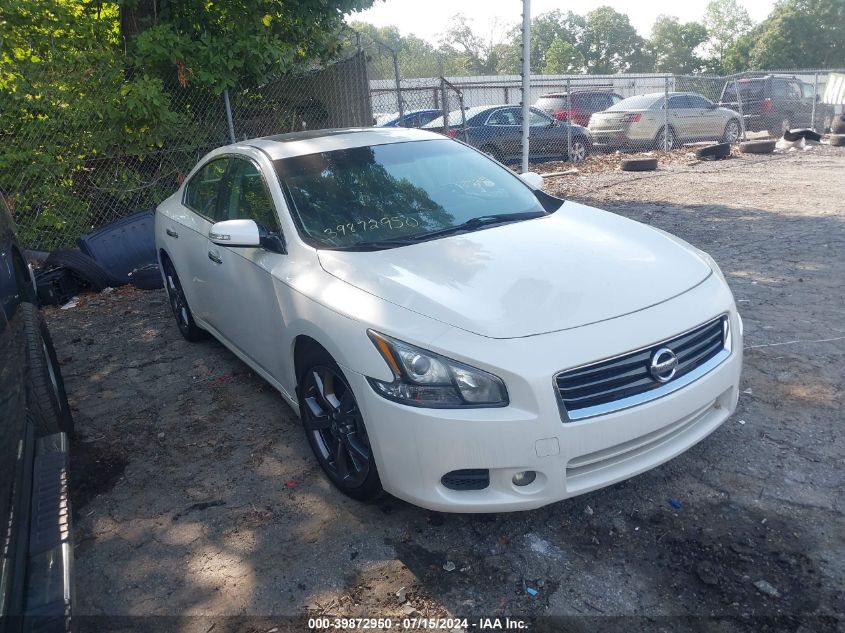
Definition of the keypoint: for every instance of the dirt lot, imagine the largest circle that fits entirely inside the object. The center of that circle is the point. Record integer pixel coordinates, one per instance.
(196, 494)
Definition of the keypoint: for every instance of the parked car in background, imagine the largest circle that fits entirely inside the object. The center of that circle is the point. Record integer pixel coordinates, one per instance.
(578, 106)
(446, 330)
(35, 539)
(413, 118)
(775, 104)
(640, 123)
(497, 131)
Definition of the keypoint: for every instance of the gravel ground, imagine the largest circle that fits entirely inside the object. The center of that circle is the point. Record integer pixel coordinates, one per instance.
(195, 493)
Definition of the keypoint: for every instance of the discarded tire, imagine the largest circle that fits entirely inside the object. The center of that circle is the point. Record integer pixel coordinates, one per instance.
(639, 164)
(147, 277)
(46, 397)
(719, 150)
(805, 133)
(86, 269)
(837, 140)
(758, 147)
(837, 126)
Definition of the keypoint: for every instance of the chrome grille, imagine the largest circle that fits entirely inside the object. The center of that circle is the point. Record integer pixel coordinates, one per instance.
(626, 380)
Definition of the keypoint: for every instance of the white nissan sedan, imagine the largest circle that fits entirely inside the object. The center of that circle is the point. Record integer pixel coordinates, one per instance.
(446, 331)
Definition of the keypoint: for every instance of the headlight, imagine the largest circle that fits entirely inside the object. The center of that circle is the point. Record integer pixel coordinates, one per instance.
(425, 379)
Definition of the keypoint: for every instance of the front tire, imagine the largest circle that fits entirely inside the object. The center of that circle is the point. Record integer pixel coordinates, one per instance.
(335, 428)
(732, 132)
(45, 389)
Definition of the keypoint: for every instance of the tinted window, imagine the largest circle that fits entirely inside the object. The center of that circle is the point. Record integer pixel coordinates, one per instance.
(355, 196)
(245, 197)
(695, 101)
(201, 191)
(679, 102)
(551, 104)
(537, 119)
(503, 117)
(427, 117)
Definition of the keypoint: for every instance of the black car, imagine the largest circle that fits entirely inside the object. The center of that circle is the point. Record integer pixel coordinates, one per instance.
(497, 131)
(775, 104)
(35, 423)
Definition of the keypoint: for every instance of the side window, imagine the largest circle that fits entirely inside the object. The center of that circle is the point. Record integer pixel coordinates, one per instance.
(807, 91)
(698, 102)
(247, 197)
(201, 192)
(779, 89)
(535, 119)
(503, 117)
(794, 90)
(615, 99)
(678, 102)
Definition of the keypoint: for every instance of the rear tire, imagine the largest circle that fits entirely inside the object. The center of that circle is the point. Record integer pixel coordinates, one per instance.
(179, 305)
(45, 389)
(660, 143)
(335, 428)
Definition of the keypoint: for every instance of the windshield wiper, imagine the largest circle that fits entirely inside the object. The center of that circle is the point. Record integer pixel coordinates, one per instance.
(474, 223)
(375, 245)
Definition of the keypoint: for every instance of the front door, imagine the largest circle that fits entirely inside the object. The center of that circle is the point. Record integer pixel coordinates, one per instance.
(246, 310)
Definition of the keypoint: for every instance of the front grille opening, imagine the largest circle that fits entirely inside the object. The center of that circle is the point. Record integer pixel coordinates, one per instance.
(467, 479)
(629, 374)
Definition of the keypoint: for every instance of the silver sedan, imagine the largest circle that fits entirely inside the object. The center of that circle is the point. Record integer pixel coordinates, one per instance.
(640, 122)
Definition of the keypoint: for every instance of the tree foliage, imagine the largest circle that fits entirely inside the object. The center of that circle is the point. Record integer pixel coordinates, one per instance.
(81, 80)
(675, 45)
(726, 21)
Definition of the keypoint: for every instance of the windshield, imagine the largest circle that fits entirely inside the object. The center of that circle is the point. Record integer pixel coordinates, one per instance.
(366, 195)
(640, 102)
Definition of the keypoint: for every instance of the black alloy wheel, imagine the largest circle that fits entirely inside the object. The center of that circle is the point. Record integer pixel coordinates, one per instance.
(179, 304)
(335, 429)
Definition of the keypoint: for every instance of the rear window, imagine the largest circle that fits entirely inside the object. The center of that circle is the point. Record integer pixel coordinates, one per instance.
(551, 103)
(748, 88)
(640, 102)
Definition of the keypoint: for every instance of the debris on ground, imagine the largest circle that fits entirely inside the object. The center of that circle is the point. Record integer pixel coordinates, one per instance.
(675, 503)
(449, 566)
(531, 592)
(766, 588)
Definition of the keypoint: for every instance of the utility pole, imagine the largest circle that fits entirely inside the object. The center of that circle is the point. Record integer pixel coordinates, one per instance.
(526, 79)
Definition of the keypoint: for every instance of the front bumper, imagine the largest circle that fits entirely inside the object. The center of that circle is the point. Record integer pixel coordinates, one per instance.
(414, 448)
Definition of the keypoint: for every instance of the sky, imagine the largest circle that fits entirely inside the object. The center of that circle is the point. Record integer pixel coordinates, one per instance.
(429, 18)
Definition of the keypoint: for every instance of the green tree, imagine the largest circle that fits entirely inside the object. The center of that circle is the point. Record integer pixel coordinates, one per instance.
(562, 58)
(610, 44)
(674, 45)
(90, 91)
(801, 34)
(474, 54)
(726, 21)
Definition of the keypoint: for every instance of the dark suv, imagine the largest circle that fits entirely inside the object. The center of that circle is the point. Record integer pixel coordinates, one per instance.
(775, 104)
(35, 421)
(580, 106)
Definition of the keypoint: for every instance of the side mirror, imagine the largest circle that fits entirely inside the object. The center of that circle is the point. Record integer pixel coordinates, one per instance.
(235, 233)
(532, 179)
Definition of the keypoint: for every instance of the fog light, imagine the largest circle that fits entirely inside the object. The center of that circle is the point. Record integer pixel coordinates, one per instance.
(524, 478)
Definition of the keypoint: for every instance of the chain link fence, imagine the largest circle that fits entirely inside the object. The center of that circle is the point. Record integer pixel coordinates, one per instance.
(65, 170)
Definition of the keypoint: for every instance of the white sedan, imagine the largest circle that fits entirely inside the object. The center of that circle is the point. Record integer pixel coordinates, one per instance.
(446, 331)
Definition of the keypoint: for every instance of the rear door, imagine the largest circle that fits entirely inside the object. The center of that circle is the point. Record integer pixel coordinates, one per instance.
(504, 130)
(186, 232)
(682, 118)
(245, 310)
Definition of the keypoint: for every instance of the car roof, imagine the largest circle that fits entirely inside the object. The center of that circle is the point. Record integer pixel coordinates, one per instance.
(598, 91)
(316, 141)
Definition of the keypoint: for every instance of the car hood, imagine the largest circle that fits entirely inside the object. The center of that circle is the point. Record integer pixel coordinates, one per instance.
(574, 267)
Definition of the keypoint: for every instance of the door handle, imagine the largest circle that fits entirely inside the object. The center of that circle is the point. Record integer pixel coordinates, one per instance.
(172, 233)
(215, 257)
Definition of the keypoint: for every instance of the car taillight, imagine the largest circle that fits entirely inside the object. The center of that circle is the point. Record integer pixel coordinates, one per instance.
(631, 118)
(452, 132)
(563, 115)
(768, 106)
